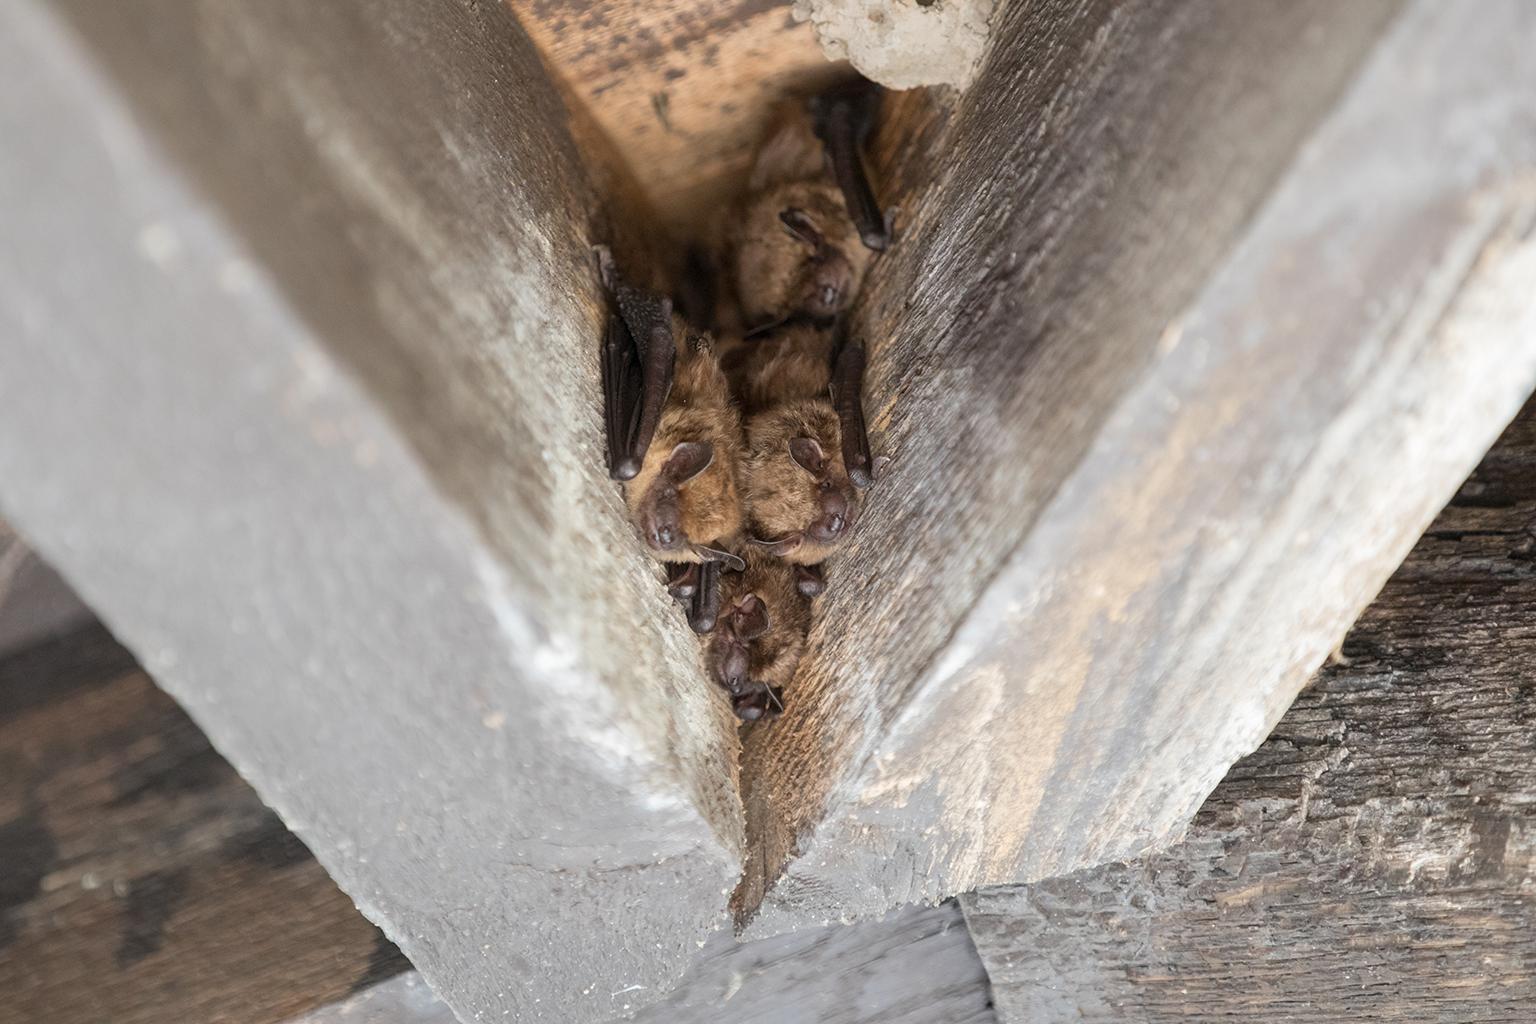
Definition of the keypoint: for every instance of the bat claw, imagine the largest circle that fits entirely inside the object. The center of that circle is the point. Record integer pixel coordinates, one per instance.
(605, 267)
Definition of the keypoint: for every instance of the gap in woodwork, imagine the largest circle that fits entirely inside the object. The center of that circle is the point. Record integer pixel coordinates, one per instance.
(667, 102)
(678, 90)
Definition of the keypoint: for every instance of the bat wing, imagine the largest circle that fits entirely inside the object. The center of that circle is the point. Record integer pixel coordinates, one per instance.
(848, 400)
(638, 356)
(842, 119)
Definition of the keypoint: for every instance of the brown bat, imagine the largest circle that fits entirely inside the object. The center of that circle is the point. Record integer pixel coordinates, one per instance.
(807, 456)
(760, 638)
(800, 244)
(674, 436)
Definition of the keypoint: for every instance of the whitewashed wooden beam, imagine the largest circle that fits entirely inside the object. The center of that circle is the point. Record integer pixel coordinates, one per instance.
(1209, 310)
(1372, 860)
(298, 388)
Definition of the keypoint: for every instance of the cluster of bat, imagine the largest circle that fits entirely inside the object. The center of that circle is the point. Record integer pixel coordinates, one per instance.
(740, 437)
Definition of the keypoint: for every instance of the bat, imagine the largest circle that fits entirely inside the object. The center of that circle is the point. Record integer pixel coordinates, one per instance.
(761, 635)
(800, 244)
(673, 431)
(807, 458)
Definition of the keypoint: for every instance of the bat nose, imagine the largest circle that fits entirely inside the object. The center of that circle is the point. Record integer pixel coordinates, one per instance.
(733, 668)
(835, 523)
(663, 536)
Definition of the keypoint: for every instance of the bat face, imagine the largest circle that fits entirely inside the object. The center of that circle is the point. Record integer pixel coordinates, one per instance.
(684, 500)
(801, 503)
(797, 254)
(759, 637)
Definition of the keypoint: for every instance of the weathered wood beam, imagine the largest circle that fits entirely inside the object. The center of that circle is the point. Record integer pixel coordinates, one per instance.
(141, 879)
(1208, 310)
(916, 966)
(298, 389)
(1373, 861)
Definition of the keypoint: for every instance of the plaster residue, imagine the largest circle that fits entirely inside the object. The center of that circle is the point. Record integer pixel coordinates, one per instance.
(903, 43)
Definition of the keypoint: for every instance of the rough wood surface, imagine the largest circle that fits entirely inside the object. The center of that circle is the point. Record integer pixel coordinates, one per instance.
(1122, 351)
(916, 966)
(141, 880)
(681, 88)
(1374, 860)
(298, 386)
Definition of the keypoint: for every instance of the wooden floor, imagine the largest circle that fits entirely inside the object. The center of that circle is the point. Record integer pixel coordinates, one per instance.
(141, 880)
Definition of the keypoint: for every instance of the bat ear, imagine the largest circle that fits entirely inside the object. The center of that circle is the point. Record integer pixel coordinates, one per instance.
(781, 547)
(802, 226)
(688, 460)
(807, 453)
(750, 618)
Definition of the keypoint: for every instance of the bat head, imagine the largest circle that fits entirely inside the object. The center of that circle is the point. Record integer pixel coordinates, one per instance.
(825, 278)
(660, 512)
(759, 637)
(800, 500)
(798, 254)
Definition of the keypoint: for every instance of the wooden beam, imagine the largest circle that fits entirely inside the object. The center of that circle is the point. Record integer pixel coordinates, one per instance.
(916, 966)
(297, 320)
(1373, 860)
(141, 880)
(1208, 310)
(681, 89)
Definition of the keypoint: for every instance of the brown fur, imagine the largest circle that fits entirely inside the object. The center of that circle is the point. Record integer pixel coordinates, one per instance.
(772, 272)
(782, 382)
(774, 655)
(698, 409)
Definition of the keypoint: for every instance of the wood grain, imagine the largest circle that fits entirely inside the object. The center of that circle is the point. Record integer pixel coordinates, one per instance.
(321, 274)
(681, 88)
(140, 879)
(1373, 861)
(1017, 667)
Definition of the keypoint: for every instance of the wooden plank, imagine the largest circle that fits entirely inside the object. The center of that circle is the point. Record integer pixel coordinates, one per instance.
(1373, 861)
(297, 322)
(1017, 666)
(140, 879)
(917, 966)
(681, 89)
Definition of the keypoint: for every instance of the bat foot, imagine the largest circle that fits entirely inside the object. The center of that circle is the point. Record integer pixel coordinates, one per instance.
(605, 266)
(683, 580)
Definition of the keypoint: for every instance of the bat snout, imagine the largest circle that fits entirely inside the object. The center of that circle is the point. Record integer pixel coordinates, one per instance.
(836, 516)
(828, 288)
(731, 670)
(661, 527)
